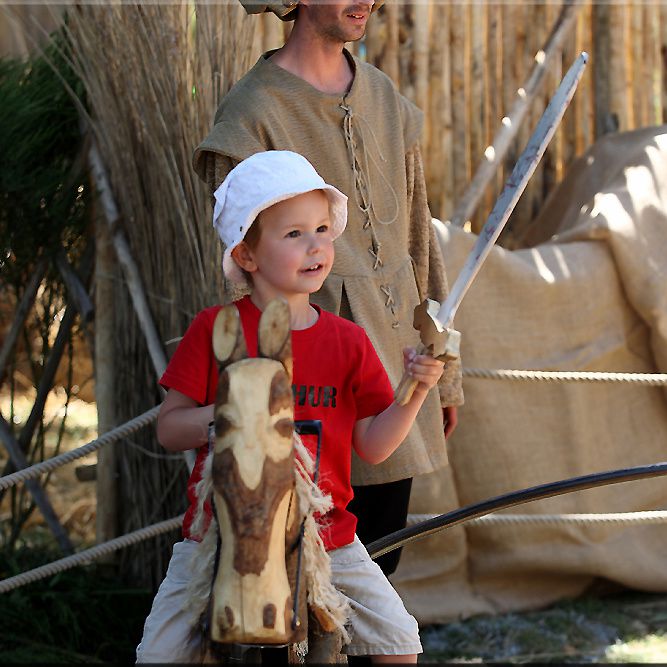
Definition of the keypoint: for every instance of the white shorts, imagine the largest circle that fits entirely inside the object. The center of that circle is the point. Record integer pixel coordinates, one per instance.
(380, 624)
(168, 635)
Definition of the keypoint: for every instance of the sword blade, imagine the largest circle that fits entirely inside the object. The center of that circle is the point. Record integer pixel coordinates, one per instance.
(512, 190)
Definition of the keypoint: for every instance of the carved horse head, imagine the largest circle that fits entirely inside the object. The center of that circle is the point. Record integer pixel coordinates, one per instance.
(253, 481)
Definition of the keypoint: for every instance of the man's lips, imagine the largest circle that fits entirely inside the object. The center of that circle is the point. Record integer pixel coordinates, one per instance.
(357, 14)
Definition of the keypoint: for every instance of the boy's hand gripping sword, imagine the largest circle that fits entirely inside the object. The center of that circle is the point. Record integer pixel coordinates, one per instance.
(432, 320)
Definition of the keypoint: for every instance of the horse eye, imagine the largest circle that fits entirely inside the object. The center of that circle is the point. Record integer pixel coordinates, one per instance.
(285, 427)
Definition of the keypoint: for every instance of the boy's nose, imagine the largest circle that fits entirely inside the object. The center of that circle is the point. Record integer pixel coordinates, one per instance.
(316, 243)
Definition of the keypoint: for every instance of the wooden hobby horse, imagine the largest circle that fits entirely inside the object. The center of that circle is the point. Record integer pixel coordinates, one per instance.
(264, 581)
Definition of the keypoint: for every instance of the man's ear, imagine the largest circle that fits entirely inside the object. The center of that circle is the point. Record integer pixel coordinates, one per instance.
(243, 256)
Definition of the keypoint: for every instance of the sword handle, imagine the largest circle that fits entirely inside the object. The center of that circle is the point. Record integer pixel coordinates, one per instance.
(407, 385)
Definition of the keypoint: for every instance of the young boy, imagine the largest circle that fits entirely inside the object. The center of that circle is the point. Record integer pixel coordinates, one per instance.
(278, 220)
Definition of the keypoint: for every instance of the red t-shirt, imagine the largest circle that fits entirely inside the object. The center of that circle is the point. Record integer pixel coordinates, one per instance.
(338, 379)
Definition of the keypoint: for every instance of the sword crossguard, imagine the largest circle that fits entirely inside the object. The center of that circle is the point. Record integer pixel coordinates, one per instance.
(443, 343)
(440, 342)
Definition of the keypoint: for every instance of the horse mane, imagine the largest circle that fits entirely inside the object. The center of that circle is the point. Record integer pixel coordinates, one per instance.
(322, 595)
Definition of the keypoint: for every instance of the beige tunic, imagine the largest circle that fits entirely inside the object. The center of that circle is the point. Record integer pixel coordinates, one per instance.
(366, 144)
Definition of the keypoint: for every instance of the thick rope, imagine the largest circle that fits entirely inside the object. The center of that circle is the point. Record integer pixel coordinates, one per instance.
(89, 555)
(110, 436)
(648, 517)
(654, 379)
(651, 379)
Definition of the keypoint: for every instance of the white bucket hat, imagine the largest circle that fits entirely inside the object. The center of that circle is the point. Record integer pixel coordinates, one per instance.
(260, 181)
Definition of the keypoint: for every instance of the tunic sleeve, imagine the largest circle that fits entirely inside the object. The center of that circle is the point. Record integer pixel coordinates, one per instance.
(428, 263)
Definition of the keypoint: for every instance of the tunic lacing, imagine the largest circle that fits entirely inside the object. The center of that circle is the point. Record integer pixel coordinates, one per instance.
(364, 195)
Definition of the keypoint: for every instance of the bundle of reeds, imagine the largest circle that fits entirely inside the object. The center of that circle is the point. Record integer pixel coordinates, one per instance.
(153, 76)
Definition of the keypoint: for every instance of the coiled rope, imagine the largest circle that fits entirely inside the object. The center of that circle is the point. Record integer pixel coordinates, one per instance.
(89, 555)
(651, 379)
(110, 436)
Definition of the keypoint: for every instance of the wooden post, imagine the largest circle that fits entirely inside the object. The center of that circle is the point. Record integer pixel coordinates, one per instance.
(653, 64)
(19, 461)
(663, 59)
(584, 105)
(535, 39)
(390, 63)
(438, 165)
(477, 99)
(513, 122)
(447, 120)
(24, 306)
(461, 152)
(601, 65)
(130, 273)
(638, 89)
(75, 288)
(48, 373)
(619, 80)
(420, 51)
(494, 89)
(106, 521)
(571, 120)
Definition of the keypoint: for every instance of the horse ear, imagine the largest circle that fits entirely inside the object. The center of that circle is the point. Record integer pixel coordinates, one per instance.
(274, 339)
(228, 340)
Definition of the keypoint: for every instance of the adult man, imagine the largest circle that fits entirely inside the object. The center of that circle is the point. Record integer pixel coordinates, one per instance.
(347, 118)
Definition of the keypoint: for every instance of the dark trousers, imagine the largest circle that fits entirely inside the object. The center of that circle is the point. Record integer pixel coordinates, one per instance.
(381, 509)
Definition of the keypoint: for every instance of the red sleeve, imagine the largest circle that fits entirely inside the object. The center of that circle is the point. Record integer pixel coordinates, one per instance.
(189, 369)
(372, 389)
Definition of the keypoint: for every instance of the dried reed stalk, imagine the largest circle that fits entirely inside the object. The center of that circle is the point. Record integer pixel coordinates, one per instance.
(638, 88)
(663, 59)
(446, 126)
(584, 106)
(435, 157)
(571, 119)
(510, 81)
(460, 82)
(478, 75)
(619, 59)
(154, 75)
(494, 92)
(390, 65)
(652, 58)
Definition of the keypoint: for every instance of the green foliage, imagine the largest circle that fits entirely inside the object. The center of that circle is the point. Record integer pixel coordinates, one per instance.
(82, 615)
(42, 198)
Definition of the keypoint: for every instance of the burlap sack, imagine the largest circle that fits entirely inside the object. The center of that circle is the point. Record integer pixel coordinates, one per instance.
(593, 297)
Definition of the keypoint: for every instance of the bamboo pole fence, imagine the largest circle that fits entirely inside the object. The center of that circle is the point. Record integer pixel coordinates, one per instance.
(480, 57)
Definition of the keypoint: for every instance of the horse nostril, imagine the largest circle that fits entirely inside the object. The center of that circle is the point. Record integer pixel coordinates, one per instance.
(269, 616)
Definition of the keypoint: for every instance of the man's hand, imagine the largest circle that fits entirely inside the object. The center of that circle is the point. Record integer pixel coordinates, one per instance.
(450, 418)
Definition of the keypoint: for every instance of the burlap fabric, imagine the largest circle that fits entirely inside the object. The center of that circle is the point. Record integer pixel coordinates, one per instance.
(590, 295)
